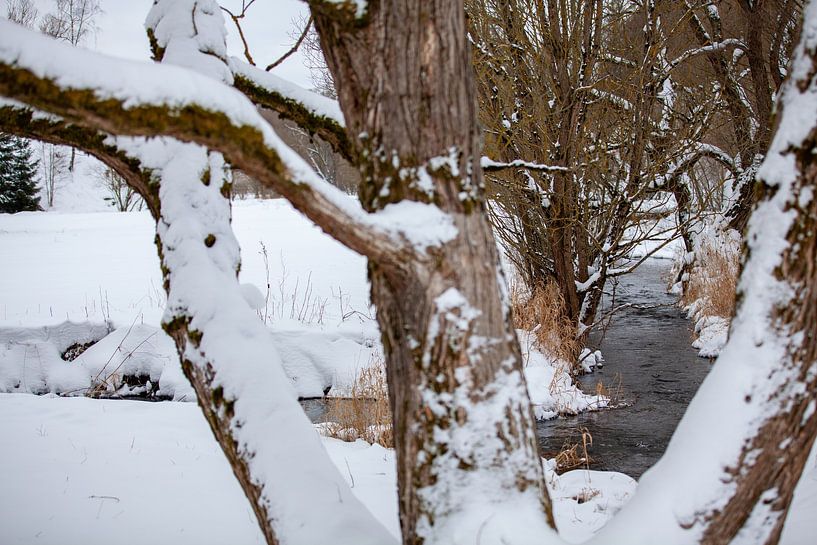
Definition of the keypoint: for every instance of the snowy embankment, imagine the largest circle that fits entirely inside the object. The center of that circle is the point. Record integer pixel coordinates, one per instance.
(711, 285)
(75, 277)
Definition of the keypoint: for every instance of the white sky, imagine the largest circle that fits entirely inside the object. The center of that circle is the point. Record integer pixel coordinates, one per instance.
(267, 27)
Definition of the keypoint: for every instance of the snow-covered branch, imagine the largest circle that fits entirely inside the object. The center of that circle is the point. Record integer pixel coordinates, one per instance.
(314, 113)
(719, 46)
(489, 165)
(191, 33)
(21, 121)
(615, 100)
(144, 99)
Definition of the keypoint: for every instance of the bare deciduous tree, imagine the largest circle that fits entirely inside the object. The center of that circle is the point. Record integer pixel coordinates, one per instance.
(73, 21)
(121, 196)
(22, 12)
(52, 167)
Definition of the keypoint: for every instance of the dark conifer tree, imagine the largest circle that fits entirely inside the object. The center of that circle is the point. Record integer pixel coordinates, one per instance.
(18, 170)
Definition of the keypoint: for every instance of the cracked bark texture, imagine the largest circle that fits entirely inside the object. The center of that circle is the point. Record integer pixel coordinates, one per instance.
(404, 82)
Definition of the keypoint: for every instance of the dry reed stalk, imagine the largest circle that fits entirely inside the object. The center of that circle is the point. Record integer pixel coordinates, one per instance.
(365, 414)
(543, 313)
(713, 280)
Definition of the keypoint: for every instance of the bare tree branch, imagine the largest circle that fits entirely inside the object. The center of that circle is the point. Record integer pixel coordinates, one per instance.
(294, 48)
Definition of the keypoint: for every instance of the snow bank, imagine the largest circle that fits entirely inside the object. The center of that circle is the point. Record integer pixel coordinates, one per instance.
(550, 385)
(712, 242)
(135, 360)
(31, 359)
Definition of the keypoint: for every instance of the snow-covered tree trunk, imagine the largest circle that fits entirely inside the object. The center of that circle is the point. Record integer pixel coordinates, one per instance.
(464, 429)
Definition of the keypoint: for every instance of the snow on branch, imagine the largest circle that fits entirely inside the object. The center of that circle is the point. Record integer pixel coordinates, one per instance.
(312, 112)
(133, 98)
(22, 121)
(191, 33)
(489, 165)
(718, 46)
(694, 153)
(615, 100)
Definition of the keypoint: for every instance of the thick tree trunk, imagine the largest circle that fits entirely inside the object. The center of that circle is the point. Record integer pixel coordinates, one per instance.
(463, 425)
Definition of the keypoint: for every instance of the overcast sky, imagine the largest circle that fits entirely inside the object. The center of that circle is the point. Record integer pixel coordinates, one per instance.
(267, 26)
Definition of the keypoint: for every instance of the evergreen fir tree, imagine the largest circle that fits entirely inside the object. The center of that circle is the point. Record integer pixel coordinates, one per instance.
(18, 187)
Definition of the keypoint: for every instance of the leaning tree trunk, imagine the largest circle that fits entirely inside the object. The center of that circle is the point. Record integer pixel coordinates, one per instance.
(464, 429)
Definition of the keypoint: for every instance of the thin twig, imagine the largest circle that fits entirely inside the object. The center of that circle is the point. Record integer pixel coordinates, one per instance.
(294, 48)
(236, 18)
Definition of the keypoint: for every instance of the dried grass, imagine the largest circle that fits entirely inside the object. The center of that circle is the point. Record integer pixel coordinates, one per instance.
(613, 391)
(713, 280)
(365, 414)
(543, 313)
(575, 455)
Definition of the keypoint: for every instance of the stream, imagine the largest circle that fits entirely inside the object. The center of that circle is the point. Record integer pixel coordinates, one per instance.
(650, 366)
(648, 352)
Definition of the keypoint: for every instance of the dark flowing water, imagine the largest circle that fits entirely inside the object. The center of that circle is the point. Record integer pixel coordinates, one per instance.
(647, 351)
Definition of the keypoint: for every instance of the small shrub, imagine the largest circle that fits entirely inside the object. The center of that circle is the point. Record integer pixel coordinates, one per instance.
(365, 414)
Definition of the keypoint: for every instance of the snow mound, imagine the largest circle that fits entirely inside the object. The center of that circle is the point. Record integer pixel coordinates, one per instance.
(712, 332)
(142, 352)
(319, 361)
(550, 386)
(141, 360)
(136, 360)
(31, 358)
(585, 500)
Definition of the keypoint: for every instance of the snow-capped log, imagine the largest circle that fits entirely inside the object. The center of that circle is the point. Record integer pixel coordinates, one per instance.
(731, 468)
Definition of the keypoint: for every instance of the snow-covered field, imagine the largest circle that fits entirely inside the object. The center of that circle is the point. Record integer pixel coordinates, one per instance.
(77, 470)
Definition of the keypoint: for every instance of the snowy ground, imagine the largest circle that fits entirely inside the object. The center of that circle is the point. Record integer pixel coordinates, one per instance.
(77, 470)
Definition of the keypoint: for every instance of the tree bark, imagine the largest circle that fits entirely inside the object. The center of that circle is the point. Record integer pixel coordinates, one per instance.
(461, 414)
